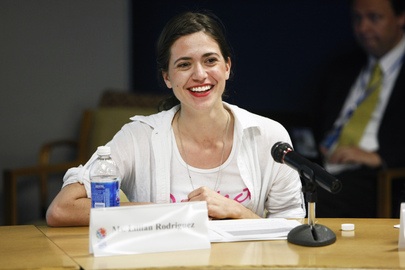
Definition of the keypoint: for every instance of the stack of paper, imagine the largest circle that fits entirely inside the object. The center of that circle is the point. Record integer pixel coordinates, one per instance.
(250, 229)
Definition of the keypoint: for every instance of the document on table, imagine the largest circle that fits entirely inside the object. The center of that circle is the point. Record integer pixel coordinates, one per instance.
(250, 229)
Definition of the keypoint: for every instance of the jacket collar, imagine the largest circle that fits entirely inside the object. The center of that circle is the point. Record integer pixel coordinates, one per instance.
(161, 122)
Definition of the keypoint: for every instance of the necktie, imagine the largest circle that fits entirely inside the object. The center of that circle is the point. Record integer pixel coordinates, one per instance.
(353, 130)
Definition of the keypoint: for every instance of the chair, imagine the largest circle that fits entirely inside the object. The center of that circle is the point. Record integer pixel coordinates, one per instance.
(384, 188)
(97, 127)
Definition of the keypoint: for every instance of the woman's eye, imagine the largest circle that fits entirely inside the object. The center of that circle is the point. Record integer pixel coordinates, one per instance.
(183, 65)
(212, 60)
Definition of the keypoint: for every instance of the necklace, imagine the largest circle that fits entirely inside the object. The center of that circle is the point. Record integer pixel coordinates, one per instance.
(217, 182)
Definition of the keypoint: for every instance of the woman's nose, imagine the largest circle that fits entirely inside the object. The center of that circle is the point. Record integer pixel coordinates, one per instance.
(199, 72)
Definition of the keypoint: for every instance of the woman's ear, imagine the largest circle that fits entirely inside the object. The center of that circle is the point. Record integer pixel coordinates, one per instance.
(228, 68)
(166, 78)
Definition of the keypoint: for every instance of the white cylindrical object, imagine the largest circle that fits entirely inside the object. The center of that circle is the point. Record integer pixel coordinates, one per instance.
(347, 227)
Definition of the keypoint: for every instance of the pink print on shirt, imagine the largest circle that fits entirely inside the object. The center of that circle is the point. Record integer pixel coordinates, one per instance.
(242, 197)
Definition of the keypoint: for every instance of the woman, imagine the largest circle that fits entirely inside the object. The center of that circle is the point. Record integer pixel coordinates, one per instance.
(198, 149)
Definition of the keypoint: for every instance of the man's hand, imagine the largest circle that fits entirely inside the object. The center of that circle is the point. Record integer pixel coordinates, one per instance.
(355, 155)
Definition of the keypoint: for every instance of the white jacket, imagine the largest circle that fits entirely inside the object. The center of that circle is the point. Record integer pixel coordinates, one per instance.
(142, 151)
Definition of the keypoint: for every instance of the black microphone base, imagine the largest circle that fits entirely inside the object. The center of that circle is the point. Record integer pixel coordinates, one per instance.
(311, 236)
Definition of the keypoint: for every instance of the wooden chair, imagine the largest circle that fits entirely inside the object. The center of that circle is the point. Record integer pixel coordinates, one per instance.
(384, 190)
(97, 127)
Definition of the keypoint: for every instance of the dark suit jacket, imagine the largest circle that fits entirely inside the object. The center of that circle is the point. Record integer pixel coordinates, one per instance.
(332, 90)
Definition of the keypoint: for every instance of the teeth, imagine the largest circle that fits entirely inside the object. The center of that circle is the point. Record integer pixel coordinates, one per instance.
(201, 88)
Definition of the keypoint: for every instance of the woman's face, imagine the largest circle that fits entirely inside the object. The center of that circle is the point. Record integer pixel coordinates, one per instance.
(197, 71)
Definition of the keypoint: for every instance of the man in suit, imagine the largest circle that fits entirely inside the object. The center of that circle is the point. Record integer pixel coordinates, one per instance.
(378, 29)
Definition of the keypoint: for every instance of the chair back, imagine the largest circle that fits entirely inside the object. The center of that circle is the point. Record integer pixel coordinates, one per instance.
(115, 108)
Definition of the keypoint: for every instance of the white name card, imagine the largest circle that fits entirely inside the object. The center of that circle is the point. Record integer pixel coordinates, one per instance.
(401, 238)
(148, 228)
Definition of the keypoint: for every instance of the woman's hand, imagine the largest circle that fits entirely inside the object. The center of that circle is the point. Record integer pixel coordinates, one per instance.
(220, 207)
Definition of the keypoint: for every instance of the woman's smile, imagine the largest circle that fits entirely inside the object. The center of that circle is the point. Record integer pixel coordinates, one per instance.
(200, 91)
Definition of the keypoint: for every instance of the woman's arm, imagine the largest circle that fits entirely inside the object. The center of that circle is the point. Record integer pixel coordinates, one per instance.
(70, 207)
(220, 207)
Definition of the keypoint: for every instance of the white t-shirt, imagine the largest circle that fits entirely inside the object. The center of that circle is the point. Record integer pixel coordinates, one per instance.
(225, 179)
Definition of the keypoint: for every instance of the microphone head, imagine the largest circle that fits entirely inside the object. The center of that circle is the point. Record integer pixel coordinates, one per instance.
(279, 150)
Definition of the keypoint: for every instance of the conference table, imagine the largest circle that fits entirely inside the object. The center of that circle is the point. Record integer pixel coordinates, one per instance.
(372, 245)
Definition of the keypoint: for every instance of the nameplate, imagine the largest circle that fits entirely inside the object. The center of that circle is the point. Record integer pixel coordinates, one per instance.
(401, 238)
(148, 228)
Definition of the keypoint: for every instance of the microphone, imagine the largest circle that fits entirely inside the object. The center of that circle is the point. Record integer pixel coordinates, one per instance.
(283, 153)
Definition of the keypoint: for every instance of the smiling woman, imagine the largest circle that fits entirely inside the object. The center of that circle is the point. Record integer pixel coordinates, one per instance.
(198, 149)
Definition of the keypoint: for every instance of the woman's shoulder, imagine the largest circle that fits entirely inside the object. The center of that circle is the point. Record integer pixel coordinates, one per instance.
(156, 120)
(251, 119)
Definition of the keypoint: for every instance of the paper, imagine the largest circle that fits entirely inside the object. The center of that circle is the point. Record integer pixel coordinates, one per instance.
(250, 229)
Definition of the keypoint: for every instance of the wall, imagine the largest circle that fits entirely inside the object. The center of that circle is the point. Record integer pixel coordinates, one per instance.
(57, 57)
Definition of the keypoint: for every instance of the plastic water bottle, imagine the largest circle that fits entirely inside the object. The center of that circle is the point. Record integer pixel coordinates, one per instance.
(104, 178)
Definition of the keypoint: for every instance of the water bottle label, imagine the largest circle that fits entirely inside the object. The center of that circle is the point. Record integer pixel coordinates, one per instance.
(105, 194)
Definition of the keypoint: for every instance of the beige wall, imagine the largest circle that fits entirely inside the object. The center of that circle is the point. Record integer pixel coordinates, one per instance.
(56, 56)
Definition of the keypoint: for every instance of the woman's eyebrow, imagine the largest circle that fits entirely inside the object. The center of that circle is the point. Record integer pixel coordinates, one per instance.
(188, 58)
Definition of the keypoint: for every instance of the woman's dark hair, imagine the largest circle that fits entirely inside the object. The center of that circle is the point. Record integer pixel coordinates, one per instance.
(185, 24)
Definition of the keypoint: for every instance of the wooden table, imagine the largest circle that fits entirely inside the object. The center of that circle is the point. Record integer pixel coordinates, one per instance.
(373, 244)
(26, 247)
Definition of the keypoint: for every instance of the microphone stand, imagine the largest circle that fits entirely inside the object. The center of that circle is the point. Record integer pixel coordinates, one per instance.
(311, 234)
